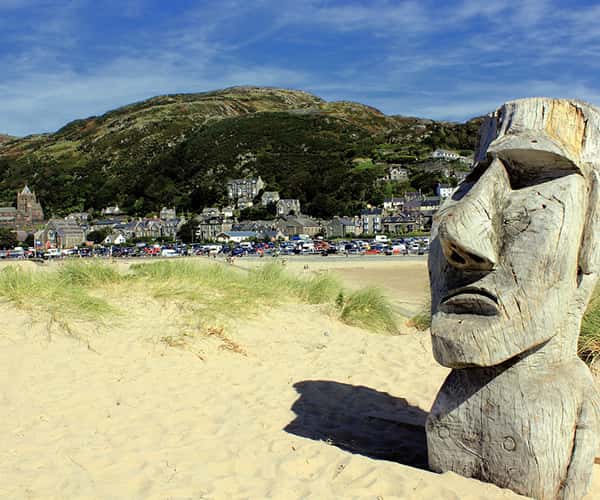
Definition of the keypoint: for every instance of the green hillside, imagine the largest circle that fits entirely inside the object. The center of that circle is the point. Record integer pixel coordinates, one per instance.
(181, 149)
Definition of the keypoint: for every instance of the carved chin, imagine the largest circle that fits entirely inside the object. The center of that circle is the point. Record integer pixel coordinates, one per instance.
(480, 340)
(468, 340)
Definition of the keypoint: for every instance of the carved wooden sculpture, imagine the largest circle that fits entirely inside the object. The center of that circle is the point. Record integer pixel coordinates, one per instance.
(514, 259)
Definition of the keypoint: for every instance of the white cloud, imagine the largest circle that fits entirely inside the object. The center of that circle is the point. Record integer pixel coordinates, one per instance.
(451, 60)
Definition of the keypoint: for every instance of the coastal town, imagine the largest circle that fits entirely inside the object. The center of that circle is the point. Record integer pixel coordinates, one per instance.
(408, 214)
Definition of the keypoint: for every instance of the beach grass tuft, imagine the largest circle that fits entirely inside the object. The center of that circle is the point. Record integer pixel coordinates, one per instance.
(422, 320)
(369, 309)
(589, 336)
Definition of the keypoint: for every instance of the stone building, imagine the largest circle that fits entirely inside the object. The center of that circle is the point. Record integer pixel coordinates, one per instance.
(342, 227)
(287, 207)
(269, 197)
(401, 223)
(293, 225)
(29, 210)
(244, 189)
(60, 233)
(371, 220)
(8, 217)
(212, 223)
(27, 214)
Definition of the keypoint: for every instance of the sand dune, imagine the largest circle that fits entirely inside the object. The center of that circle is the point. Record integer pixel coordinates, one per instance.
(309, 408)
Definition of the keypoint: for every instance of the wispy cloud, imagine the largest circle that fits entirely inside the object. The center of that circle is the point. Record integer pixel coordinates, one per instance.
(448, 60)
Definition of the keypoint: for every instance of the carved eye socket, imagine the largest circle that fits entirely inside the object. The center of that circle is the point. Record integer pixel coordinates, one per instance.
(523, 175)
(525, 168)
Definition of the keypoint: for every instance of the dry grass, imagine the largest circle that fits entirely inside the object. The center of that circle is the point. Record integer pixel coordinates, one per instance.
(226, 343)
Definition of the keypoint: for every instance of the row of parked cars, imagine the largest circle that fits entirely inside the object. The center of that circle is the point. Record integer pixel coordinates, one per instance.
(401, 246)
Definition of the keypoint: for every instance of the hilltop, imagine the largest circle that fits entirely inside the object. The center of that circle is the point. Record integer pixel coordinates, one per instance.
(180, 149)
(5, 138)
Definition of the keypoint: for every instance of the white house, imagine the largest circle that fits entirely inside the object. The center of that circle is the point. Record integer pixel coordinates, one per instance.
(236, 236)
(444, 154)
(227, 212)
(444, 190)
(398, 174)
(114, 239)
(393, 203)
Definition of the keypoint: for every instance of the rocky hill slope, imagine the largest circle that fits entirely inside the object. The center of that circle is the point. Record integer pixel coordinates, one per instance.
(180, 149)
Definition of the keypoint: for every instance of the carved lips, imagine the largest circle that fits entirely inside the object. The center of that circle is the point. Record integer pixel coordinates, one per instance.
(470, 300)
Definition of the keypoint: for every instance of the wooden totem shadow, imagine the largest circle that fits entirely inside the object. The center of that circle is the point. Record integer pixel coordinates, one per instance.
(360, 420)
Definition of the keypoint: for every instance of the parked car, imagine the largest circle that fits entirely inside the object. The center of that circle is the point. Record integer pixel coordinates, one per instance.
(52, 253)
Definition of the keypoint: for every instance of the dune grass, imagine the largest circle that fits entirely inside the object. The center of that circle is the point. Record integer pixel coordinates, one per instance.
(51, 293)
(589, 336)
(88, 273)
(218, 293)
(369, 309)
(211, 293)
(422, 320)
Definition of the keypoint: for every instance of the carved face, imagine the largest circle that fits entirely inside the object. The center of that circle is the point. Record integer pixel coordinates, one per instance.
(504, 259)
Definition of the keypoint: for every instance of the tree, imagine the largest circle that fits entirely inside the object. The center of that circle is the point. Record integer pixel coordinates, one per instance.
(187, 232)
(257, 213)
(29, 241)
(97, 236)
(7, 239)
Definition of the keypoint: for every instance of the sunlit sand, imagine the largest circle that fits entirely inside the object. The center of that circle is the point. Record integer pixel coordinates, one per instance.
(291, 403)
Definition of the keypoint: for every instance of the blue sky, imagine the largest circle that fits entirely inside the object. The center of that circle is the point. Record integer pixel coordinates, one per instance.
(61, 59)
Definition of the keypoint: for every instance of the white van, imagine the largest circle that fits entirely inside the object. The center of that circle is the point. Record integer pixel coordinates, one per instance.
(17, 253)
(52, 253)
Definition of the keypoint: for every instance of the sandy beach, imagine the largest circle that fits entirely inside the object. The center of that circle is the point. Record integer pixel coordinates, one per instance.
(294, 405)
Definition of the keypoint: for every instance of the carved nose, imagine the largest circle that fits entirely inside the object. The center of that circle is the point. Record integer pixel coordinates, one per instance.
(465, 257)
(468, 228)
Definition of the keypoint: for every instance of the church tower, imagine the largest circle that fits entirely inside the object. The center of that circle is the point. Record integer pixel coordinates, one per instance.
(29, 211)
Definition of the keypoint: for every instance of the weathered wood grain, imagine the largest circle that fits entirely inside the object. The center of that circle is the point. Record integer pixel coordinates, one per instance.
(515, 257)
